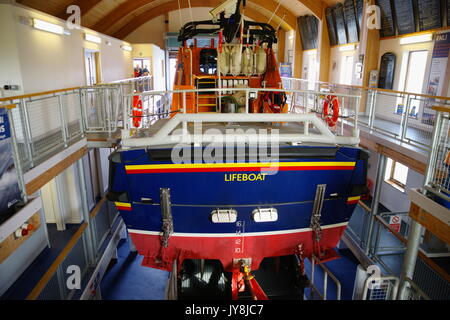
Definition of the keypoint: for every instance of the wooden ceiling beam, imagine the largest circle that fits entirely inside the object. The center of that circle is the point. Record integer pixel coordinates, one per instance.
(316, 7)
(85, 7)
(173, 5)
(130, 6)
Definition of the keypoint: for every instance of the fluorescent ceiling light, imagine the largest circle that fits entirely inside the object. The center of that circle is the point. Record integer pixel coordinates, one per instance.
(92, 38)
(348, 47)
(126, 48)
(417, 39)
(47, 26)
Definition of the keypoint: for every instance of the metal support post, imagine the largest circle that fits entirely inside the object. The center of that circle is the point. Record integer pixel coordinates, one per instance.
(90, 244)
(63, 121)
(409, 261)
(16, 156)
(56, 187)
(381, 166)
(83, 124)
(434, 149)
(405, 116)
(27, 131)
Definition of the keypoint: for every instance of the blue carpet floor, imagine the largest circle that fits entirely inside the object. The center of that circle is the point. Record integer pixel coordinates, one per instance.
(30, 277)
(344, 269)
(127, 279)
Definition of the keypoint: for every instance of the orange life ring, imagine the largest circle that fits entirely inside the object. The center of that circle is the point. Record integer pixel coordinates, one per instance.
(331, 119)
(137, 111)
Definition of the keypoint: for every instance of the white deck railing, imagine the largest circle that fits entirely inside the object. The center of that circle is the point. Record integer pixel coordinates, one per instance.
(312, 129)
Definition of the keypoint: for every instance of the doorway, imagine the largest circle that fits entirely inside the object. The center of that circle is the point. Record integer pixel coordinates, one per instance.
(92, 64)
(141, 67)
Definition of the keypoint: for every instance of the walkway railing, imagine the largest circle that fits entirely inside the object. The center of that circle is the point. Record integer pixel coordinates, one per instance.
(44, 123)
(47, 122)
(403, 116)
(437, 179)
(386, 242)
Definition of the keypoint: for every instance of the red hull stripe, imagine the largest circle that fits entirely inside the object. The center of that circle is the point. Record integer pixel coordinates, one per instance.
(352, 202)
(123, 208)
(239, 169)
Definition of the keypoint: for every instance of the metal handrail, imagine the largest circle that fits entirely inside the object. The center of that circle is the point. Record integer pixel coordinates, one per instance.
(326, 273)
(414, 287)
(381, 279)
(371, 89)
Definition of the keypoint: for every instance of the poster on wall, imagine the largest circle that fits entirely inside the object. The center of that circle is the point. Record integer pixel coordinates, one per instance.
(435, 85)
(9, 188)
(285, 69)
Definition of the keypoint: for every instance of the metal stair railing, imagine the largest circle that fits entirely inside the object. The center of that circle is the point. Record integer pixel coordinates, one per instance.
(323, 295)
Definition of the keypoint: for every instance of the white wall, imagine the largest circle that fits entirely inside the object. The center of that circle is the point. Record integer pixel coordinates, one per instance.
(158, 65)
(46, 61)
(391, 197)
(289, 46)
(336, 62)
(200, 13)
(307, 71)
(386, 104)
(393, 45)
(69, 190)
(10, 73)
(150, 32)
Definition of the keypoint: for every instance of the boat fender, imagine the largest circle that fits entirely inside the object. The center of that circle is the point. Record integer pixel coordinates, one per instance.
(247, 62)
(236, 60)
(261, 61)
(332, 101)
(224, 61)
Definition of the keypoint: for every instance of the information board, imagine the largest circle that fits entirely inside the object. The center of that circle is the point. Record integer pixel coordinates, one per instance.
(331, 26)
(9, 188)
(341, 30)
(387, 20)
(309, 29)
(429, 14)
(350, 21)
(359, 14)
(404, 16)
(435, 85)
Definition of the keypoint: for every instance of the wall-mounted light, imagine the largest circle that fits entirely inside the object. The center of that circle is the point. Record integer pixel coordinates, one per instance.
(108, 43)
(92, 38)
(417, 39)
(47, 26)
(126, 48)
(347, 47)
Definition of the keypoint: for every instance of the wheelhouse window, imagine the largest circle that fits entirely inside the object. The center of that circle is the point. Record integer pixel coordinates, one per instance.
(208, 61)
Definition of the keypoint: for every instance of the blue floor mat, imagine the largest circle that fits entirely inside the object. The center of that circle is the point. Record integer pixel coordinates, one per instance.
(30, 277)
(344, 269)
(127, 279)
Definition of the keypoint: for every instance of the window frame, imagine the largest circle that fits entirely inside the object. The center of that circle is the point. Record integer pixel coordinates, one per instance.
(405, 70)
(393, 181)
